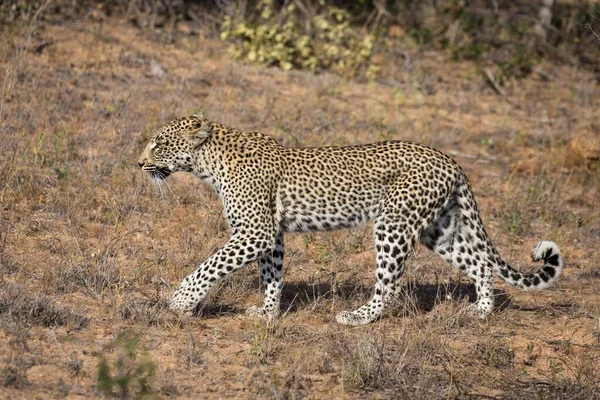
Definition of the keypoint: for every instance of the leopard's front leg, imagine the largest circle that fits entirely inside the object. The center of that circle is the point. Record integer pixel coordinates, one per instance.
(242, 248)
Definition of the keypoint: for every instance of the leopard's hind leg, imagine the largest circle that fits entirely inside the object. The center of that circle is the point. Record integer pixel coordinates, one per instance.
(406, 210)
(457, 235)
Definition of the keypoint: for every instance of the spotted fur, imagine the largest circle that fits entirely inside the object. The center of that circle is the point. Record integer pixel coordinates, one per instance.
(410, 191)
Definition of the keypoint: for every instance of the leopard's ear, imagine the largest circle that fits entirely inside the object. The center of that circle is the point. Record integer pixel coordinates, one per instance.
(198, 132)
(199, 114)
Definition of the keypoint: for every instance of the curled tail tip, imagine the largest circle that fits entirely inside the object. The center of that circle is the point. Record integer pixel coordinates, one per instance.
(548, 252)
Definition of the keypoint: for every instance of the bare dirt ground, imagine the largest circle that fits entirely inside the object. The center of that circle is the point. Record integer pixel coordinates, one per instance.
(90, 251)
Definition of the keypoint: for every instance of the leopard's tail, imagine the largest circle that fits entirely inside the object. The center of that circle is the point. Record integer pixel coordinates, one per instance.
(545, 251)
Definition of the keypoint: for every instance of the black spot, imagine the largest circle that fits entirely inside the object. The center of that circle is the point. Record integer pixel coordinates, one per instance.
(553, 260)
(547, 253)
(550, 271)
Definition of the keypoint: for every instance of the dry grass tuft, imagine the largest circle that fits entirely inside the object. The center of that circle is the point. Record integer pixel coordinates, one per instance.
(496, 354)
(17, 304)
(95, 279)
(146, 311)
(412, 366)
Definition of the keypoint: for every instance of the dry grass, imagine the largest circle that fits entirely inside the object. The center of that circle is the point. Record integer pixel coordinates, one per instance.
(89, 249)
(16, 304)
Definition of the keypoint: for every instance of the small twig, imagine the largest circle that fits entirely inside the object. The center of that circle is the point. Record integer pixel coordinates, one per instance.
(303, 8)
(41, 46)
(492, 80)
(589, 27)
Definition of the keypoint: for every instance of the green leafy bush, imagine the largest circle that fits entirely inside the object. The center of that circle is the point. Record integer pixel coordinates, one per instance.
(284, 38)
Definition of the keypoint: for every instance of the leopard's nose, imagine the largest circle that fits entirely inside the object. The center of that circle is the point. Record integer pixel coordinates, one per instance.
(141, 164)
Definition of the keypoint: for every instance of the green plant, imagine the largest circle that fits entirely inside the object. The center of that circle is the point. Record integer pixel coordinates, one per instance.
(515, 218)
(263, 343)
(555, 370)
(496, 354)
(130, 375)
(530, 356)
(324, 41)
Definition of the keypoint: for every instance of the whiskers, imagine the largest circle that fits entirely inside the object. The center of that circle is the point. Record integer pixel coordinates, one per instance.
(159, 184)
(158, 177)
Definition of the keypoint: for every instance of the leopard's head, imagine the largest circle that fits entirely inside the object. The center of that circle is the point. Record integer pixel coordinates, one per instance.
(174, 147)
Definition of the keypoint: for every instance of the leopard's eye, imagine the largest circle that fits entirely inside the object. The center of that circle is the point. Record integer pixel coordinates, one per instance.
(158, 142)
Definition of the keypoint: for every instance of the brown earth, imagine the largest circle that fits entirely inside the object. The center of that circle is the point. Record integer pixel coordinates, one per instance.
(90, 251)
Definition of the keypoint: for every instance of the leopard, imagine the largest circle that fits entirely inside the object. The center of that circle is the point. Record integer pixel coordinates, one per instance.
(410, 192)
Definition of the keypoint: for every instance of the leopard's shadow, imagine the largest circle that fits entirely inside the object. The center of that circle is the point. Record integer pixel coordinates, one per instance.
(212, 310)
(420, 298)
(412, 298)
